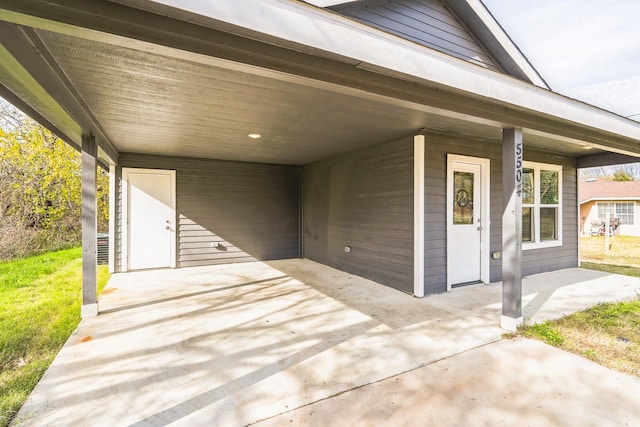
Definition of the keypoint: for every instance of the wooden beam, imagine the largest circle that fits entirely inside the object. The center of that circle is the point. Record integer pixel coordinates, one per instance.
(89, 228)
(27, 48)
(604, 159)
(512, 151)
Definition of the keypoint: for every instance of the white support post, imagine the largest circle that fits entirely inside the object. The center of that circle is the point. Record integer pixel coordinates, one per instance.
(112, 218)
(89, 228)
(418, 215)
(607, 227)
(512, 158)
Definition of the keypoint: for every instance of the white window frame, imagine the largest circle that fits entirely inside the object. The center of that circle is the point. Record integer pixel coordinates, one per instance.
(536, 243)
(616, 214)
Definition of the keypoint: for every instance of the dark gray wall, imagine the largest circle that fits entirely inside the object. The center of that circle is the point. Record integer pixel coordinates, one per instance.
(426, 22)
(534, 261)
(364, 200)
(251, 209)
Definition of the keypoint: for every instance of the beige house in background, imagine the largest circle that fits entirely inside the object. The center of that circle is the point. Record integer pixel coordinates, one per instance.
(620, 197)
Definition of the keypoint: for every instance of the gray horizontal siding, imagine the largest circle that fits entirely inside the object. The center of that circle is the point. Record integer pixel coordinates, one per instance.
(231, 211)
(534, 261)
(364, 200)
(436, 149)
(426, 22)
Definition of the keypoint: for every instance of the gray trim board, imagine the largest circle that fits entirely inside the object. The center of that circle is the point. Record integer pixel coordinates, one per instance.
(604, 159)
(89, 226)
(512, 161)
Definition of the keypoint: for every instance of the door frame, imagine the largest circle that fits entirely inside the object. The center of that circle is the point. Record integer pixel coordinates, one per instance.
(485, 213)
(125, 212)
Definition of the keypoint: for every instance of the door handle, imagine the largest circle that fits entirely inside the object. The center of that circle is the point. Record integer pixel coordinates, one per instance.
(479, 228)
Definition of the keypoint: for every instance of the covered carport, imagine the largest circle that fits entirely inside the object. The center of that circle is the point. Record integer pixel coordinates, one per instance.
(297, 342)
(194, 80)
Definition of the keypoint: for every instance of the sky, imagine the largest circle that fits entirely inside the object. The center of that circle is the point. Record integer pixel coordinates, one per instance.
(585, 49)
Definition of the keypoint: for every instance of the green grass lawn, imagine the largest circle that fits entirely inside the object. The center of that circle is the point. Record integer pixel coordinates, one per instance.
(40, 300)
(608, 334)
(623, 250)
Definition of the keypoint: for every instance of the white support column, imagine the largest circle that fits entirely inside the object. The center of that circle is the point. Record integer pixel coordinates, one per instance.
(418, 215)
(512, 158)
(112, 218)
(89, 228)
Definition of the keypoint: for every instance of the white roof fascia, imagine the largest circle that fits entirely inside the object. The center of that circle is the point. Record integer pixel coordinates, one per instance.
(503, 38)
(387, 54)
(630, 198)
(610, 199)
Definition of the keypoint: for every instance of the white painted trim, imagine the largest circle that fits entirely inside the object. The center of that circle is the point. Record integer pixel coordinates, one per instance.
(112, 218)
(493, 26)
(509, 323)
(418, 215)
(578, 218)
(89, 310)
(611, 199)
(537, 244)
(125, 213)
(485, 221)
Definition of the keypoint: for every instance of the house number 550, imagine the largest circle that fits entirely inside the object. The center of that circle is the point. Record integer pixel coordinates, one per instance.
(519, 169)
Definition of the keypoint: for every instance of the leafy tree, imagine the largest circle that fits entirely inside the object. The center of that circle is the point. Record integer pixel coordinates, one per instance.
(626, 172)
(40, 178)
(622, 175)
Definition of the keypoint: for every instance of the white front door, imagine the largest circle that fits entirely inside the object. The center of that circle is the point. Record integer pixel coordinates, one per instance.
(150, 209)
(467, 220)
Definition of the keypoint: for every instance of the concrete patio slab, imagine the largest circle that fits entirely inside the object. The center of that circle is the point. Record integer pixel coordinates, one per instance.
(508, 383)
(242, 343)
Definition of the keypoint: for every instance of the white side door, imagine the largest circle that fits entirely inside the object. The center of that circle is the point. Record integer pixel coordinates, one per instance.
(467, 220)
(149, 199)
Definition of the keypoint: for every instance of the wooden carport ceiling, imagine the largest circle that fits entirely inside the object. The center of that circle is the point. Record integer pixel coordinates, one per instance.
(313, 94)
(150, 103)
(155, 104)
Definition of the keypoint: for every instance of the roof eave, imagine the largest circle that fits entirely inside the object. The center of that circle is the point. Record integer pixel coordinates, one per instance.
(493, 36)
(363, 58)
(369, 49)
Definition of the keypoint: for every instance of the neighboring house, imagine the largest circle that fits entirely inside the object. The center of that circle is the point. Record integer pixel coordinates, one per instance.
(406, 141)
(619, 199)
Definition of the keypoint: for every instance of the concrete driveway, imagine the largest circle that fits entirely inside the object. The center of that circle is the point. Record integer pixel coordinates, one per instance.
(297, 343)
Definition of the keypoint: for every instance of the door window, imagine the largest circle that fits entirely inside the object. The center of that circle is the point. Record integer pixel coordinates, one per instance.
(462, 198)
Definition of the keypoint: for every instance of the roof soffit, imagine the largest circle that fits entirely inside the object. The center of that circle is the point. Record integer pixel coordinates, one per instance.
(368, 64)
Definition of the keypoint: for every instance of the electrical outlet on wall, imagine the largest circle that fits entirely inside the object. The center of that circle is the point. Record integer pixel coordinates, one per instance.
(347, 249)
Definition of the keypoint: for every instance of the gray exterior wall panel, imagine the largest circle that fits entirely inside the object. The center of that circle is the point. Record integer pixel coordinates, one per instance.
(252, 210)
(364, 200)
(534, 261)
